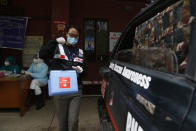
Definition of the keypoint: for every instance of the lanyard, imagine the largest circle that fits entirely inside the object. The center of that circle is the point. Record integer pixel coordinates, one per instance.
(71, 55)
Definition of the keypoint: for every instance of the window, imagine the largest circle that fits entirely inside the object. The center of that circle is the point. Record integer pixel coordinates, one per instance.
(162, 42)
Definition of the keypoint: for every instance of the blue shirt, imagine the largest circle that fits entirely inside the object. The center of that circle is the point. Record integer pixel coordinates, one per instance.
(39, 72)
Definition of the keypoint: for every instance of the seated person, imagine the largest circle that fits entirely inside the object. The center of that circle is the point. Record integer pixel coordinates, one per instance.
(10, 65)
(1, 61)
(38, 71)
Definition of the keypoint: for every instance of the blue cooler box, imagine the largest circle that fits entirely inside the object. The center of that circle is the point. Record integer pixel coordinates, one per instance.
(62, 82)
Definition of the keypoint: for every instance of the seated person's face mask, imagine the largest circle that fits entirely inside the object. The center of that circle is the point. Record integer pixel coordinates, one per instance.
(7, 63)
(35, 61)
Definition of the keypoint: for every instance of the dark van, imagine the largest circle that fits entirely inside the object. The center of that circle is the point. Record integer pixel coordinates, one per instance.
(149, 82)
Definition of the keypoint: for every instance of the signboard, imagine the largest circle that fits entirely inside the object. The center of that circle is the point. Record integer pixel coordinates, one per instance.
(59, 27)
(114, 36)
(12, 32)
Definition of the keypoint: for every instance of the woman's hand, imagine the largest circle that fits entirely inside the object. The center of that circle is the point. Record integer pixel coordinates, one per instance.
(78, 69)
(61, 40)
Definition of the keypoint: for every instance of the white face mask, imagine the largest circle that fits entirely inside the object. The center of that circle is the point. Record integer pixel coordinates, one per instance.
(7, 63)
(36, 61)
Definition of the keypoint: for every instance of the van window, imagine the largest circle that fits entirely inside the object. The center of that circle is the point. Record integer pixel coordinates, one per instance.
(162, 42)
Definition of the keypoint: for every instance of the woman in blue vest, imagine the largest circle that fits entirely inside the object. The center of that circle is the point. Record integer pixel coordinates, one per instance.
(63, 54)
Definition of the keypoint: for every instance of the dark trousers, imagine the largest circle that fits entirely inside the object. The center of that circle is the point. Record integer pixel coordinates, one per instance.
(67, 110)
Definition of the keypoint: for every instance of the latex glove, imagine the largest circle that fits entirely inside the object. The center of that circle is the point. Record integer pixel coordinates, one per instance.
(22, 71)
(61, 40)
(27, 73)
(78, 69)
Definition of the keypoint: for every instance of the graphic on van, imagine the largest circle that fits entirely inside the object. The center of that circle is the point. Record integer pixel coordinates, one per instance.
(132, 124)
(171, 29)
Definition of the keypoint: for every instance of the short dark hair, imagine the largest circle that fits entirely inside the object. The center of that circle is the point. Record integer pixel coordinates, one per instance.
(36, 56)
(73, 26)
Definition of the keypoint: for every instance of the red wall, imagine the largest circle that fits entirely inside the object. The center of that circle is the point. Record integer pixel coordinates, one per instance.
(60, 11)
(39, 12)
(38, 24)
(117, 12)
(44, 12)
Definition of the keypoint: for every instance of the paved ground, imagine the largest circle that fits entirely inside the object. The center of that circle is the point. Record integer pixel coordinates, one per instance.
(45, 119)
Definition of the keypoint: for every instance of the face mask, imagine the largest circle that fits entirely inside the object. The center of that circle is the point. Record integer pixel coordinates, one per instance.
(7, 63)
(72, 40)
(35, 61)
